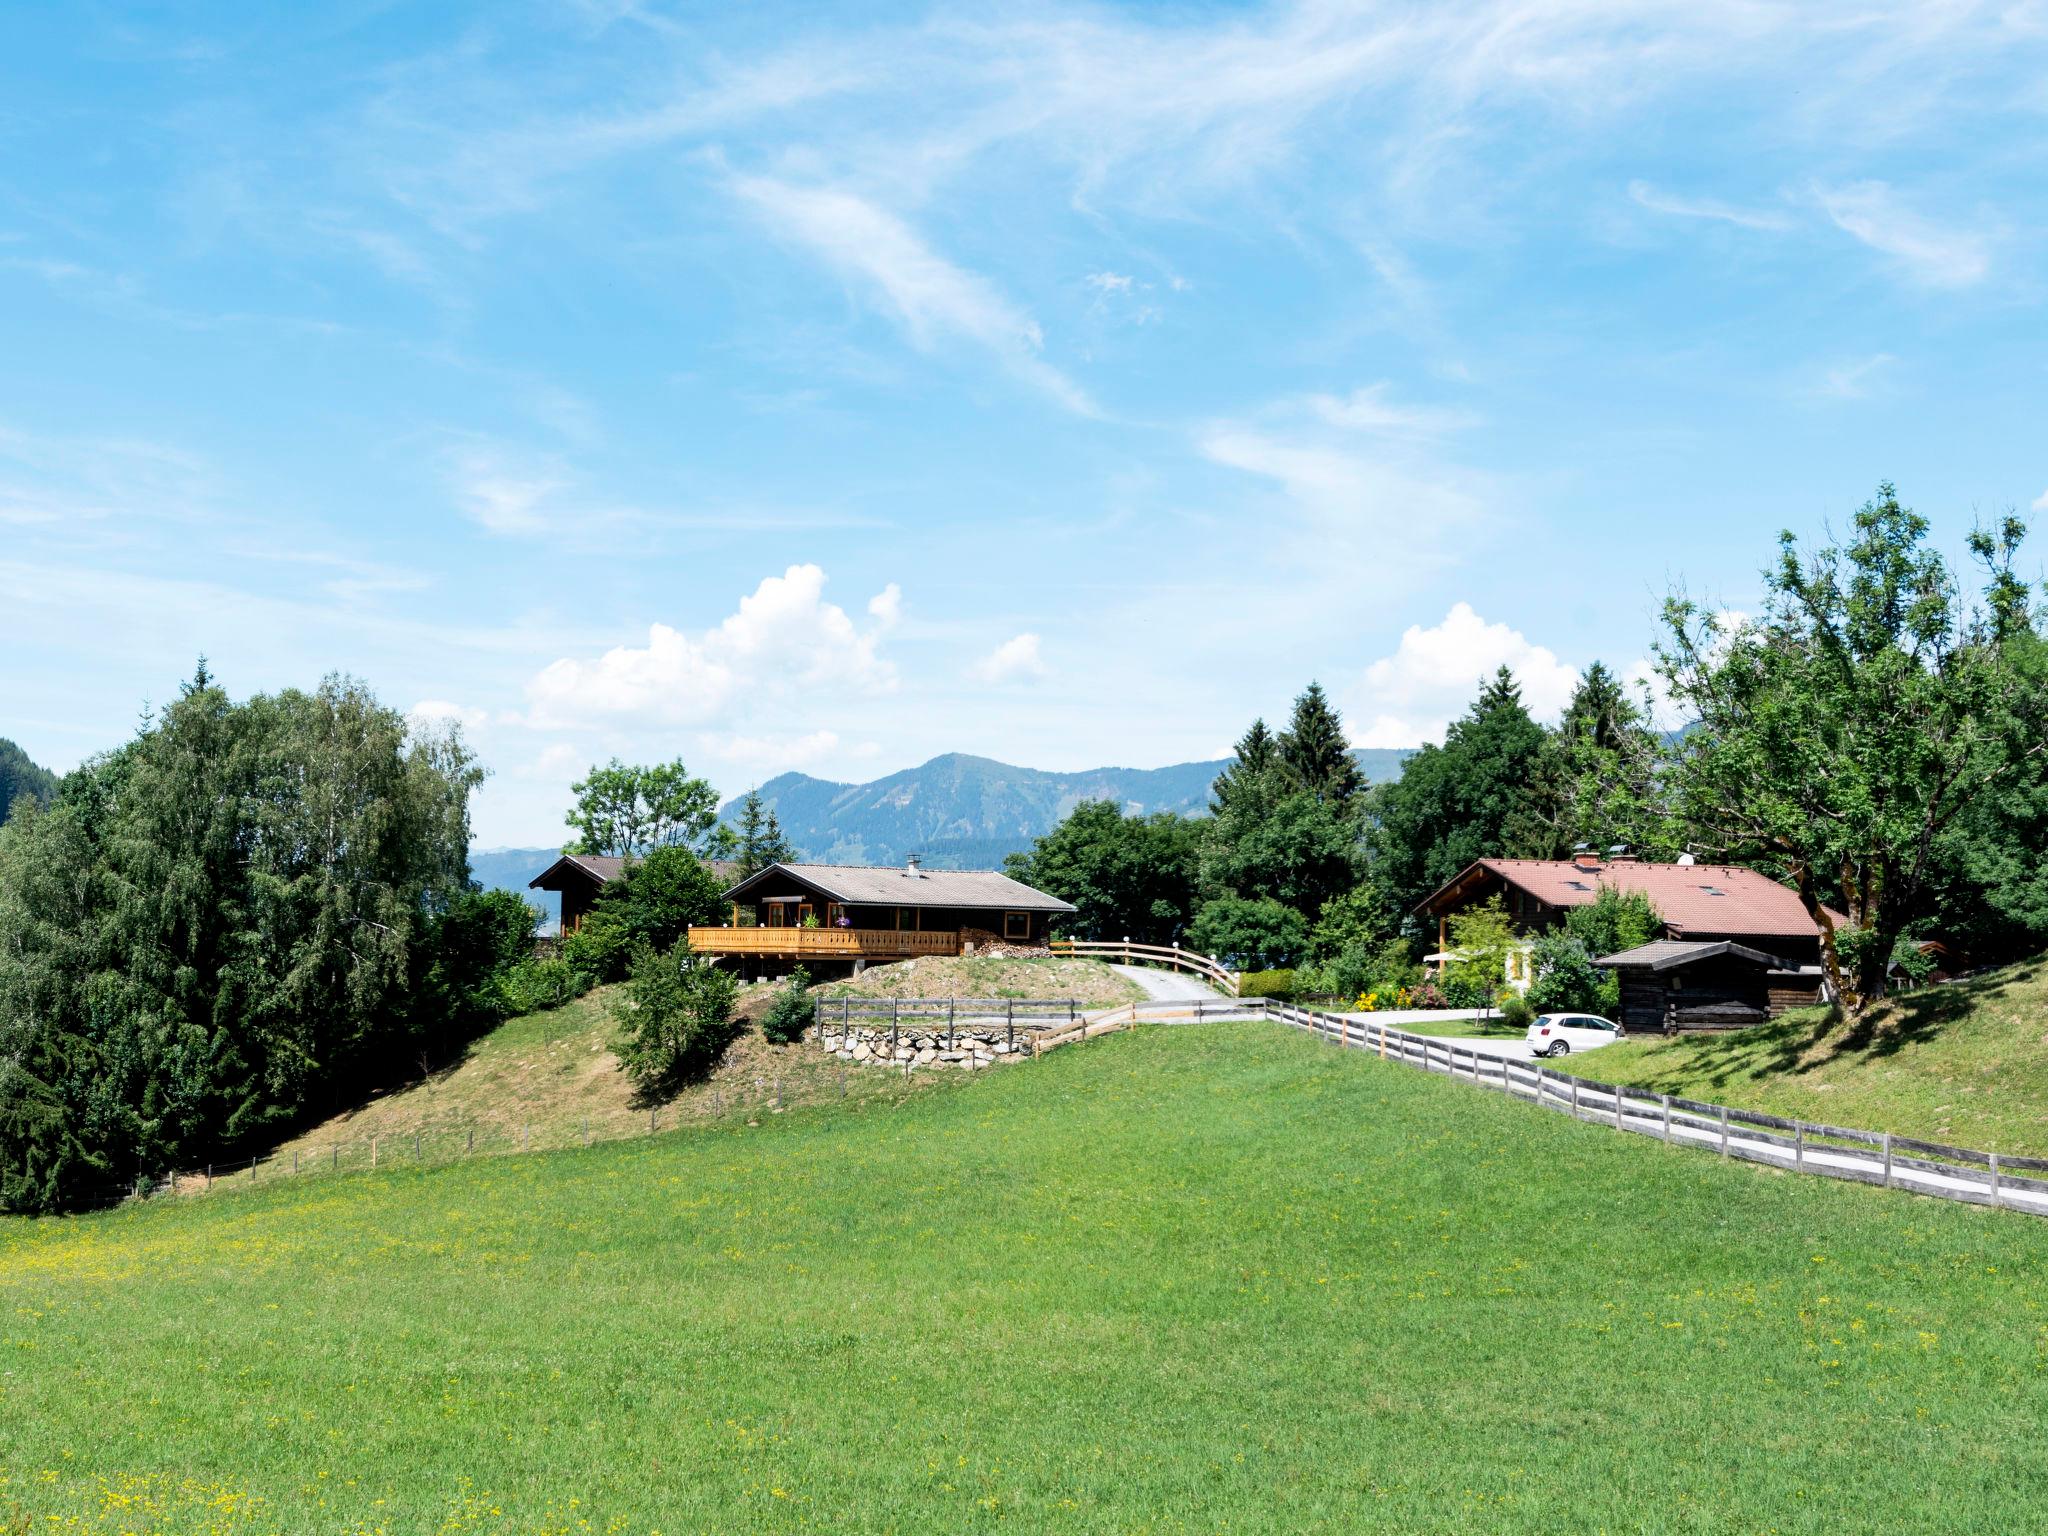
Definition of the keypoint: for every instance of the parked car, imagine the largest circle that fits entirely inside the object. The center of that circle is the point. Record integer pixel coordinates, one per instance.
(1559, 1034)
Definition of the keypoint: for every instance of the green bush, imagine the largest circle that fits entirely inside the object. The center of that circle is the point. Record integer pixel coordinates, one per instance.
(661, 893)
(1464, 992)
(537, 984)
(790, 1014)
(675, 1019)
(1515, 1010)
(1249, 935)
(1567, 980)
(1280, 985)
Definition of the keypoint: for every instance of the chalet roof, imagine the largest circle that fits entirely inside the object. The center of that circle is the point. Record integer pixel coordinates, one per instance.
(601, 867)
(1670, 954)
(1691, 898)
(890, 885)
(607, 867)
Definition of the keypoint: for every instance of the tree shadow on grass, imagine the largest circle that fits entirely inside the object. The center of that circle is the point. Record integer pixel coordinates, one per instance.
(1804, 1042)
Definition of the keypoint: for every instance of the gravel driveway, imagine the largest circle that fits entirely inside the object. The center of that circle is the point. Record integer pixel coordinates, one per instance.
(1167, 986)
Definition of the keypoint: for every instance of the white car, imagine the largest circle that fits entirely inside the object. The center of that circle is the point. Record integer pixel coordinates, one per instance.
(1559, 1034)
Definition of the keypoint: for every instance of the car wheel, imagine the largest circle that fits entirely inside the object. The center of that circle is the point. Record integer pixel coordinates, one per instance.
(1560, 1049)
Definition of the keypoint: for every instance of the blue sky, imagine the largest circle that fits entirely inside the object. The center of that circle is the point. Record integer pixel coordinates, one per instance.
(825, 388)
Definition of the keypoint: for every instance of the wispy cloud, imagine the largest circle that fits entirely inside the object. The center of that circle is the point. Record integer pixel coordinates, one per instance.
(1707, 208)
(1940, 255)
(933, 299)
(1854, 381)
(1372, 409)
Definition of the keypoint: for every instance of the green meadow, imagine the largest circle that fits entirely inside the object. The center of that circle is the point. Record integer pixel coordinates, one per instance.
(1213, 1278)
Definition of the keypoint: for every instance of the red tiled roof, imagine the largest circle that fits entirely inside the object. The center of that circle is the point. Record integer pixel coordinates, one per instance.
(1691, 898)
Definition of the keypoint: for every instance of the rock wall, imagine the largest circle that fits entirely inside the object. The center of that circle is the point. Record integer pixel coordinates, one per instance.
(922, 1045)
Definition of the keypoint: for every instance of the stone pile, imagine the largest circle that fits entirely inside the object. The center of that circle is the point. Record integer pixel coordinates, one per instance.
(922, 1045)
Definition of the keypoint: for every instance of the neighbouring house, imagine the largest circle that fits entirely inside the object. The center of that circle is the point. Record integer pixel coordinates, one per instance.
(838, 918)
(1701, 904)
(580, 878)
(1678, 984)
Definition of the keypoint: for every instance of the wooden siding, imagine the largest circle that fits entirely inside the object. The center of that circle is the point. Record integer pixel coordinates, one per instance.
(823, 943)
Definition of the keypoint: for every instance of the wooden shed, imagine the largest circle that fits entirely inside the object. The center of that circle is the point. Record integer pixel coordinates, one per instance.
(1674, 985)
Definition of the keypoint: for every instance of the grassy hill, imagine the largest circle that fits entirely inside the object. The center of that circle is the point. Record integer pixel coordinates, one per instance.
(1965, 1063)
(1195, 1278)
(547, 1080)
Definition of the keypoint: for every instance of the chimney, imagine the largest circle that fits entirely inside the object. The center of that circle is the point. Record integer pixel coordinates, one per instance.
(1583, 857)
(1620, 853)
(912, 866)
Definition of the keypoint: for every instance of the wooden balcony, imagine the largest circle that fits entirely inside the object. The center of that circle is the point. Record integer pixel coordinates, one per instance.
(824, 943)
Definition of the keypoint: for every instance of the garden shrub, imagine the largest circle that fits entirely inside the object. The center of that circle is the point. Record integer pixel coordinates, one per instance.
(1464, 992)
(1567, 980)
(1515, 1010)
(675, 1018)
(1279, 985)
(790, 1014)
(1427, 994)
(536, 984)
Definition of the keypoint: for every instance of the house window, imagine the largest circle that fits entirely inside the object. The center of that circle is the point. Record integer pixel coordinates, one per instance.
(1016, 925)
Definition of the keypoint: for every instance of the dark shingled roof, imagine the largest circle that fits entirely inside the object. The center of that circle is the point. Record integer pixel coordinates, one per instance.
(1669, 954)
(891, 885)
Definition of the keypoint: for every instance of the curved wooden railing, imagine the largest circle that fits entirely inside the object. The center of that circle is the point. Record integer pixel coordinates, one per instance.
(1173, 957)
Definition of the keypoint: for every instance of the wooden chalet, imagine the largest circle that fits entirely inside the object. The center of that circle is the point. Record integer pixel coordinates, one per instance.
(1672, 985)
(1701, 902)
(833, 918)
(580, 878)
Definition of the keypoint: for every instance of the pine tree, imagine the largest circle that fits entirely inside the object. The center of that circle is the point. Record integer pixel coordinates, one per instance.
(1255, 757)
(1315, 751)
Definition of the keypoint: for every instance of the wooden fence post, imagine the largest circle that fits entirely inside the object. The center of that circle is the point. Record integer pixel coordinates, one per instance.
(1799, 1146)
(1997, 1193)
(209, 1175)
(415, 1146)
(336, 1163)
(1664, 1100)
(1617, 1108)
(295, 1159)
(1724, 1130)
(1575, 1098)
(1887, 1159)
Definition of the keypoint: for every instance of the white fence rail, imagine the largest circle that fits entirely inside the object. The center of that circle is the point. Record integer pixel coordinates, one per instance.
(1173, 957)
(1798, 1146)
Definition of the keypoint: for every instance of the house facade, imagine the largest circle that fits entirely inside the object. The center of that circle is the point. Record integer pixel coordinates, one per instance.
(1735, 940)
(835, 919)
(580, 878)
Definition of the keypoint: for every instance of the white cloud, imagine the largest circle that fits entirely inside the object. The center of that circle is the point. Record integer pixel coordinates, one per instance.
(1110, 282)
(1853, 381)
(1015, 660)
(1370, 410)
(781, 753)
(1413, 695)
(886, 606)
(2041, 502)
(1706, 208)
(930, 297)
(433, 712)
(501, 492)
(1933, 253)
(783, 639)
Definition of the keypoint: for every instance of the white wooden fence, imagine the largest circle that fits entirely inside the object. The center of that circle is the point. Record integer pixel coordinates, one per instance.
(1799, 1146)
(1173, 957)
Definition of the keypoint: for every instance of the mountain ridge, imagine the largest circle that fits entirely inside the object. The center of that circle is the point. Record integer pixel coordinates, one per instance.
(957, 811)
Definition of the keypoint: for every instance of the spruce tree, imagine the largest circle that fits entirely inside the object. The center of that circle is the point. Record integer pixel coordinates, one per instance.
(1255, 756)
(1315, 751)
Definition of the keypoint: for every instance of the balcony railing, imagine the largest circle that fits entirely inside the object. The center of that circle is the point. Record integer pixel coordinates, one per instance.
(824, 943)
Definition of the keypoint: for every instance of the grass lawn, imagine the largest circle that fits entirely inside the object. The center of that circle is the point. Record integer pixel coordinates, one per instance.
(1965, 1064)
(1458, 1029)
(1199, 1278)
(1088, 982)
